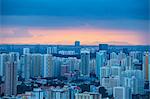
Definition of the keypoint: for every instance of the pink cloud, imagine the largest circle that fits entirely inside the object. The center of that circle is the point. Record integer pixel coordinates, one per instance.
(68, 36)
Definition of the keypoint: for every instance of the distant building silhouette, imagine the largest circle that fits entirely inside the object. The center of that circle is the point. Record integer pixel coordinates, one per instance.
(103, 46)
(77, 47)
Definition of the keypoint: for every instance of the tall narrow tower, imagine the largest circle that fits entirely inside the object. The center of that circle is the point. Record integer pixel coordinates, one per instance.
(85, 62)
(11, 78)
(146, 66)
(100, 62)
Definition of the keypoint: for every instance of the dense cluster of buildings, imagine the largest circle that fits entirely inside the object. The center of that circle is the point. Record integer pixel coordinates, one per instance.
(109, 74)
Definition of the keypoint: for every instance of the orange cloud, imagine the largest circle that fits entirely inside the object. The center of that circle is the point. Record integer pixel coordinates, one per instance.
(85, 35)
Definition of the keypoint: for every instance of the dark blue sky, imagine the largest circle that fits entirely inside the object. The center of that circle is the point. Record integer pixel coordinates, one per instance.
(99, 9)
(71, 10)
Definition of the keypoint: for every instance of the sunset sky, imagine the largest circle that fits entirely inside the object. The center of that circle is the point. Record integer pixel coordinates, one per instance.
(121, 22)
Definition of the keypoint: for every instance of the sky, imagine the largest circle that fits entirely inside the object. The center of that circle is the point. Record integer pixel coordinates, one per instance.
(119, 22)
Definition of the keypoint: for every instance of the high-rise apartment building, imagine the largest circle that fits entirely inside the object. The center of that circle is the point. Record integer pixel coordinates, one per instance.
(36, 66)
(100, 62)
(146, 66)
(3, 59)
(47, 67)
(85, 62)
(26, 62)
(11, 78)
(56, 66)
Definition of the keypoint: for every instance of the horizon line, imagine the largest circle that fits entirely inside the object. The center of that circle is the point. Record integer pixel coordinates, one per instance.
(80, 44)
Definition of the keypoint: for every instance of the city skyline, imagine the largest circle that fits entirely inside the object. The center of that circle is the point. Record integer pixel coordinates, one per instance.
(74, 72)
(74, 49)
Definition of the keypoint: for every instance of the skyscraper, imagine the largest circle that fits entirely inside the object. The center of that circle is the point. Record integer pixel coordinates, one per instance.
(133, 79)
(49, 50)
(56, 66)
(129, 63)
(3, 59)
(77, 47)
(85, 62)
(72, 61)
(36, 67)
(14, 56)
(77, 43)
(47, 65)
(26, 61)
(100, 62)
(11, 78)
(146, 66)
